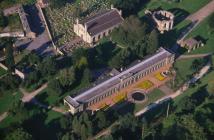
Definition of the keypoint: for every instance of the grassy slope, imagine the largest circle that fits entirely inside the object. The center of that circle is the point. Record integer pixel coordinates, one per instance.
(204, 31)
(188, 5)
(183, 69)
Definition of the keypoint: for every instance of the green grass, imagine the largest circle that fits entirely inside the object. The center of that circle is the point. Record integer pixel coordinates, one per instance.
(52, 115)
(205, 32)
(189, 6)
(183, 70)
(205, 81)
(152, 97)
(7, 100)
(2, 71)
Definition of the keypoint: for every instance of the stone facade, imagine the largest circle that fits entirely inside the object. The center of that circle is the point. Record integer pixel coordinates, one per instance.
(164, 20)
(98, 26)
(191, 44)
(120, 81)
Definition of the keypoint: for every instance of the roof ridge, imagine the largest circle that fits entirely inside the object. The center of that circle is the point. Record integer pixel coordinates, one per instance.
(108, 12)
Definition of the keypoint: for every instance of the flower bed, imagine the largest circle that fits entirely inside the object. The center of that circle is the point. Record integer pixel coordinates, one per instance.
(159, 76)
(145, 85)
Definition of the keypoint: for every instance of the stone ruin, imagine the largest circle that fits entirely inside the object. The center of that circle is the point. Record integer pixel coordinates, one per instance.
(164, 20)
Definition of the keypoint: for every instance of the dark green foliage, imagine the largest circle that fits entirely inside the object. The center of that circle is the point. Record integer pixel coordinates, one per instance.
(128, 6)
(48, 66)
(197, 64)
(57, 3)
(3, 20)
(9, 83)
(211, 22)
(9, 60)
(18, 134)
(55, 87)
(134, 39)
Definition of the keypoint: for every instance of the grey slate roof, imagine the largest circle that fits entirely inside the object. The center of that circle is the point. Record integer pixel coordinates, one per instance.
(102, 21)
(98, 89)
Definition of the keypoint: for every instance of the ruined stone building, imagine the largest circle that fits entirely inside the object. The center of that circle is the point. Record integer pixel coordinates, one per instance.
(164, 20)
(83, 101)
(98, 26)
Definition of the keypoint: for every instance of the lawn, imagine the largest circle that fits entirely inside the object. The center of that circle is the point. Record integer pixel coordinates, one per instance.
(152, 97)
(206, 34)
(2, 71)
(183, 70)
(206, 82)
(189, 6)
(7, 100)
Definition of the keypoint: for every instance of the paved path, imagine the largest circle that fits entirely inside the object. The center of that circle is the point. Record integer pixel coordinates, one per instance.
(202, 13)
(29, 96)
(181, 90)
(3, 116)
(194, 56)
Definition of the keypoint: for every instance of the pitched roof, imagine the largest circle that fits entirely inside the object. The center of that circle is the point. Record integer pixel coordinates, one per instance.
(102, 21)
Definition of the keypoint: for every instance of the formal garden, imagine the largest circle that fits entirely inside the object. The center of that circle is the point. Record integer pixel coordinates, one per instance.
(70, 75)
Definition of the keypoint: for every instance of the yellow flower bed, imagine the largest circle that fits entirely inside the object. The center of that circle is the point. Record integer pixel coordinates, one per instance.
(160, 77)
(145, 85)
(119, 98)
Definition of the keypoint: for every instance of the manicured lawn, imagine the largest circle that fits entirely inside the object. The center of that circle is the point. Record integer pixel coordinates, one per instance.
(189, 6)
(206, 82)
(183, 70)
(2, 71)
(7, 100)
(152, 97)
(203, 31)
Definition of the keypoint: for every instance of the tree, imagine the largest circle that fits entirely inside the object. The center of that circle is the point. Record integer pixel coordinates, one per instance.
(211, 22)
(19, 134)
(153, 43)
(87, 76)
(67, 76)
(48, 66)
(101, 119)
(197, 64)
(126, 5)
(9, 60)
(3, 20)
(55, 87)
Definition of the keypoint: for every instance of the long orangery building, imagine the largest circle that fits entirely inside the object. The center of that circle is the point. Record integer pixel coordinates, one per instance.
(97, 93)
